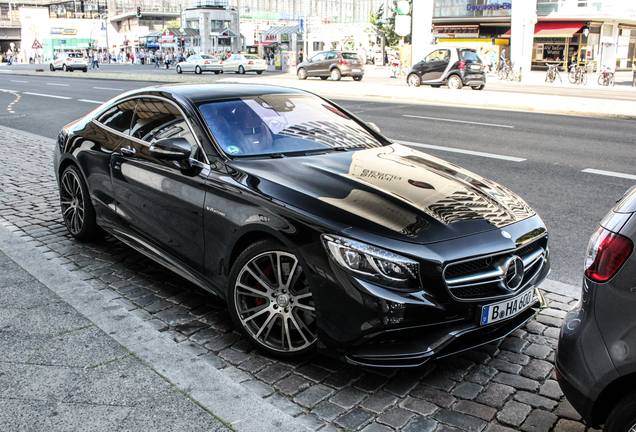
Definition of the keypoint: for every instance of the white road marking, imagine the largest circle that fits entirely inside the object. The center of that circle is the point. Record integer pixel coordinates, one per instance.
(13, 91)
(107, 88)
(469, 152)
(90, 101)
(61, 85)
(19, 81)
(609, 173)
(460, 121)
(45, 95)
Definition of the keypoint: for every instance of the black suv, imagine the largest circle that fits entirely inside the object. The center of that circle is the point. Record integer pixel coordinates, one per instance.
(334, 64)
(454, 67)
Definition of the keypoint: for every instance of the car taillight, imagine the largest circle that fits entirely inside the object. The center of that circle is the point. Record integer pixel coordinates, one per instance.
(343, 62)
(68, 59)
(207, 62)
(250, 63)
(221, 62)
(606, 253)
(462, 65)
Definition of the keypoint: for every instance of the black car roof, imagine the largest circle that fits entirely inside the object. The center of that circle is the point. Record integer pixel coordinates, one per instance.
(208, 92)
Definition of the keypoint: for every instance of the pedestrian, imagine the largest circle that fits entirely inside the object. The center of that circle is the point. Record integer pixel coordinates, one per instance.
(157, 58)
(9, 56)
(271, 56)
(502, 60)
(301, 56)
(493, 60)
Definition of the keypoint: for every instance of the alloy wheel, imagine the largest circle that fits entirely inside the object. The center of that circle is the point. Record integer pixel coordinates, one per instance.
(274, 303)
(72, 201)
(302, 74)
(413, 80)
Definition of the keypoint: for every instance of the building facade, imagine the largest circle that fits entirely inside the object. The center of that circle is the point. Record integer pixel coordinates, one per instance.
(599, 33)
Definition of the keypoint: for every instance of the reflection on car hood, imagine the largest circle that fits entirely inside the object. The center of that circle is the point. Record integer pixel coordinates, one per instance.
(394, 191)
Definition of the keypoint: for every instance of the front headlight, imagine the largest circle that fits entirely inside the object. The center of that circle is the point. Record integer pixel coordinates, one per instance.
(373, 264)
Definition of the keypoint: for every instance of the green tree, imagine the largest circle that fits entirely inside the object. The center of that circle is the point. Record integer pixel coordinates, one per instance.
(385, 21)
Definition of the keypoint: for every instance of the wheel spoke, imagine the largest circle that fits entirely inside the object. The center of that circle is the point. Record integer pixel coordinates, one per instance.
(251, 317)
(298, 327)
(265, 325)
(254, 290)
(286, 334)
(292, 278)
(259, 279)
(305, 307)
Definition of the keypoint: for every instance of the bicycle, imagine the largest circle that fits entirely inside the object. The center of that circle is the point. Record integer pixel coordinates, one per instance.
(399, 69)
(606, 78)
(508, 72)
(552, 73)
(577, 75)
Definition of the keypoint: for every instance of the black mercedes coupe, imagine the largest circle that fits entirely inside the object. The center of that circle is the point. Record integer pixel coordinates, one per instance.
(318, 232)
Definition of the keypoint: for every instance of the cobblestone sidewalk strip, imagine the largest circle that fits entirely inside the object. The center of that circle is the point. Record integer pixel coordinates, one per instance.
(500, 387)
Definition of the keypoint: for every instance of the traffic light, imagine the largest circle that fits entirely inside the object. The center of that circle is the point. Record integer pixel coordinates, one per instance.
(138, 11)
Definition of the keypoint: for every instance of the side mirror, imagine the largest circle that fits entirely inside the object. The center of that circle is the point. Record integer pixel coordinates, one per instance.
(171, 149)
(374, 126)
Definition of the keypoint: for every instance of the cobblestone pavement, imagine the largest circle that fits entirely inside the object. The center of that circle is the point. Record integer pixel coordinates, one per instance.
(500, 387)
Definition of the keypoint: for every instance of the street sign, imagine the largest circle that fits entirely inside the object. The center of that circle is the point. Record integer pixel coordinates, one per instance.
(403, 25)
(36, 45)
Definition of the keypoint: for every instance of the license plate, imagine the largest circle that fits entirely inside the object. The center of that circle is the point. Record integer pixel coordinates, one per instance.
(355, 70)
(474, 67)
(507, 308)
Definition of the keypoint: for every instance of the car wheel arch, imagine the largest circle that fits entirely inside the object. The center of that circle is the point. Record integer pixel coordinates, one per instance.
(610, 396)
(251, 235)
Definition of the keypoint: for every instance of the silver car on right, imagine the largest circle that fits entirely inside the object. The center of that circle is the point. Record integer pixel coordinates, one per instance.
(596, 355)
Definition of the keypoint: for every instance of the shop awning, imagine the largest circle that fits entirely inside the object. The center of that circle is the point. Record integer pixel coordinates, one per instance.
(263, 44)
(555, 29)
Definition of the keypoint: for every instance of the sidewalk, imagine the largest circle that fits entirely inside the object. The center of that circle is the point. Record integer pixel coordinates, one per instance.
(72, 360)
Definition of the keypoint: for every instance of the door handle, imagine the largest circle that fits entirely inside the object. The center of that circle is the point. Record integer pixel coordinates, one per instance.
(128, 151)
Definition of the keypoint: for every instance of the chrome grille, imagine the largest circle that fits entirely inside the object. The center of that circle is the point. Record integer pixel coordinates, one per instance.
(489, 277)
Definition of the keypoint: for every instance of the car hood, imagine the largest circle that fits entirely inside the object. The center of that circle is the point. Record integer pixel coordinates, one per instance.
(393, 191)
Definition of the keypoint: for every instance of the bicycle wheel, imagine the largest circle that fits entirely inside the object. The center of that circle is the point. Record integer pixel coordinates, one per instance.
(601, 80)
(501, 74)
(611, 80)
(584, 77)
(549, 78)
(572, 77)
(557, 74)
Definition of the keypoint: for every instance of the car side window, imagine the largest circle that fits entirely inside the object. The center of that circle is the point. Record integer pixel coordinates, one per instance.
(438, 55)
(332, 56)
(119, 117)
(155, 120)
(318, 57)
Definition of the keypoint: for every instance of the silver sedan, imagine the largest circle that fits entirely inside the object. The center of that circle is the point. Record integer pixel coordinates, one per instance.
(241, 63)
(199, 63)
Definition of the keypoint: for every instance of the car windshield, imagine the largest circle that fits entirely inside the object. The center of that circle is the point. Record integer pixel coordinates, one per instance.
(208, 57)
(283, 124)
(74, 55)
(251, 57)
(350, 56)
(470, 55)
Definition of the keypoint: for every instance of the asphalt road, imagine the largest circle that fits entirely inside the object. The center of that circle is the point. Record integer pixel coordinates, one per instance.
(542, 157)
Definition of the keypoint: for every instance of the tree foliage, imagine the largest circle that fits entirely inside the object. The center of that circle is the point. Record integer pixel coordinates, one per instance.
(385, 22)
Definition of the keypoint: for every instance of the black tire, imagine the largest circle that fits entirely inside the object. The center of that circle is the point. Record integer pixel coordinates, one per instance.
(335, 74)
(289, 300)
(413, 80)
(259, 72)
(178, 69)
(324, 78)
(357, 78)
(455, 82)
(436, 86)
(77, 210)
(217, 72)
(64, 68)
(241, 70)
(302, 73)
(197, 70)
(623, 417)
(85, 70)
(52, 68)
(481, 87)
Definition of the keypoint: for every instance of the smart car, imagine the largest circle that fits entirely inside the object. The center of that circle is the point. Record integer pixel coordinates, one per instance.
(450, 66)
